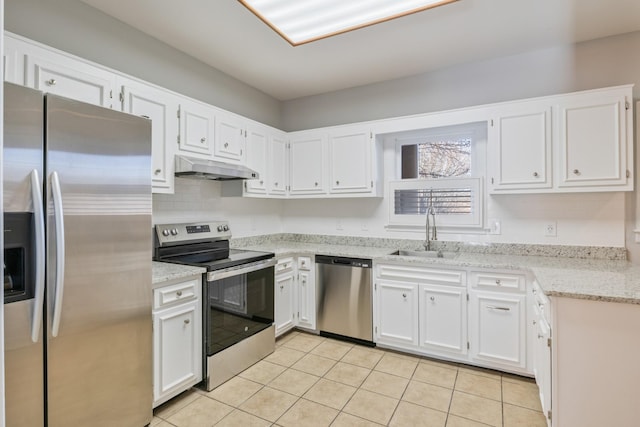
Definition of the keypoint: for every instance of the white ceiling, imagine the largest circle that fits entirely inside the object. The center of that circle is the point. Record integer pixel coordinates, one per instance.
(225, 35)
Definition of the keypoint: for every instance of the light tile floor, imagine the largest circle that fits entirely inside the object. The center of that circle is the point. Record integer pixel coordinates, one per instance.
(315, 381)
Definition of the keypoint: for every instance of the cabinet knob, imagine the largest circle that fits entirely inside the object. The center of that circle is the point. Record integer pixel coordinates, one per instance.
(432, 298)
(303, 263)
(337, 182)
(261, 182)
(404, 295)
(187, 321)
(535, 323)
(275, 183)
(281, 286)
(498, 282)
(157, 171)
(315, 183)
(179, 293)
(540, 336)
(535, 174)
(226, 145)
(576, 172)
(203, 140)
(51, 82)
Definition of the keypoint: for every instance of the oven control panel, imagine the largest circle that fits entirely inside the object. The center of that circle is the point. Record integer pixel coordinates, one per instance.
(177, 234)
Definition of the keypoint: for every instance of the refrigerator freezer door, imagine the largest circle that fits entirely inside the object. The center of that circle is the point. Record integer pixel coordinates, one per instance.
(22, 155)
(99, 361)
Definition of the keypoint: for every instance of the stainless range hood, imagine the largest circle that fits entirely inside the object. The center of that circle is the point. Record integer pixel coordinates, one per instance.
(189, 167)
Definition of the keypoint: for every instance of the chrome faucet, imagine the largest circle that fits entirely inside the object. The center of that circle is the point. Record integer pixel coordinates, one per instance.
(431, 212)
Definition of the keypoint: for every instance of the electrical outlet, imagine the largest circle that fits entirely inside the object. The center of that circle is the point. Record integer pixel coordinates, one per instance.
(550, 229)
(495, 226)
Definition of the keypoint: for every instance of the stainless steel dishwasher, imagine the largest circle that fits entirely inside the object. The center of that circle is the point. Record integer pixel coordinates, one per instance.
(344, 298)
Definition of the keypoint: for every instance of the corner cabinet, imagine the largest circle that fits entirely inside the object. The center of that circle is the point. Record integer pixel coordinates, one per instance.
(308, 164)
(576, 142)
(177, 337)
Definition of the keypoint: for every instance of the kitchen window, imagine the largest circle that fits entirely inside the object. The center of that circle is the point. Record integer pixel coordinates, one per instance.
(439, 168)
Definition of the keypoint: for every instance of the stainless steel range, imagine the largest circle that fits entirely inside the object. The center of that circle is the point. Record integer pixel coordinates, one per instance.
(238, 292)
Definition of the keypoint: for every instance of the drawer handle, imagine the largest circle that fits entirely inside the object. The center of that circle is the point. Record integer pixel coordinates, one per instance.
(51, 82)
(179, 293)
(493, 307)
(187, 321)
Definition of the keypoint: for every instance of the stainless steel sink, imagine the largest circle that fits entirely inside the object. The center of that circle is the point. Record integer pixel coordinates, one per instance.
(425, 254)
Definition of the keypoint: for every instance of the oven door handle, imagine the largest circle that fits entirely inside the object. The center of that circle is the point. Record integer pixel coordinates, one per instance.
(239, 270)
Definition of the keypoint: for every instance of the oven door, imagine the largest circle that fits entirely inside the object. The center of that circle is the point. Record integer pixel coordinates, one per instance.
(238, 304)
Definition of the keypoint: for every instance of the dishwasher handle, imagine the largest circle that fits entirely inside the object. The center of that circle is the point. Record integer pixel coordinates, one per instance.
(343, 261)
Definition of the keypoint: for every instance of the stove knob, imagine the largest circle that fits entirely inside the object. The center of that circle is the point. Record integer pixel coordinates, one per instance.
(226, 228)
(220, 228)
(174, 232)
(165, 232)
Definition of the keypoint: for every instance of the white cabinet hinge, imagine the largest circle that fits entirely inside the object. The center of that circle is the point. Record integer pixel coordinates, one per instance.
(178, 113)
(492, 180)
(298, 315)
(178, 139)
(549, 414)
(467, 345)
(122, 97)
(371, 184)
(467, 297)
(375, 286)
(627, 105)
(491, 122)
(111, 94)
(370, 135)
(628, 173)
(549, 342)
(376, 330)
(245, 185)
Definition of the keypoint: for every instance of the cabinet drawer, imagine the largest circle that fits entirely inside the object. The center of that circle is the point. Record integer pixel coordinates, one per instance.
(406, 273)
(175, 294)
(284, 265)
(498, 281)
(304, 263)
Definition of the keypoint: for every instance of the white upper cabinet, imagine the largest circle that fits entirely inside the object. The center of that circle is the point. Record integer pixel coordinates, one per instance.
(307, 163)
(161, 108)
(277, 166)
(350, 160)
(576, 142)
(54, 73)
(197, 128)
(520, 148)
(230, 137)
(256, 158)
(594, 143)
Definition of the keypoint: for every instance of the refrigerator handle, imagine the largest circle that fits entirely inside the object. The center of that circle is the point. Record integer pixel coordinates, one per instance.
(58, 216)
(38, 217)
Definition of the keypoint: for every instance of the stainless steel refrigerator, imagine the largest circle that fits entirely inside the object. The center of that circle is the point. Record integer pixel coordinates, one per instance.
(77, 273)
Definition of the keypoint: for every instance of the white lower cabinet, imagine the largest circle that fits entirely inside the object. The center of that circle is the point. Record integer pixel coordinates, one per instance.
(177, 338)
(396, 314)
(498, 328)
(295, 294)
(284, 295)
(443, 319)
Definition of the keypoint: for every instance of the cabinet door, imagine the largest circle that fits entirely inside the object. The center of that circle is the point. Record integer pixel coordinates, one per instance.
(230, 137)
(396, 307)
(498, 331)
(284, 302)
(177, 355)
(306, 300)
(543, 365)
(196, 128)
(278, 165)
(256, 159)
(592, 137)
(307, 163)
(519, 148)
(350, 161)
(61, 75)
(443, 318)
(161, 108)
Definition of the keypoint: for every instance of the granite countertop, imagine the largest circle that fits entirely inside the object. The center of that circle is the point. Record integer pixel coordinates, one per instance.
(591, 279)
(163, 272)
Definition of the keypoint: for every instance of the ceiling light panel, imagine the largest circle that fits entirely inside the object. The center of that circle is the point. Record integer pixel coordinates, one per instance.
(303, 21)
